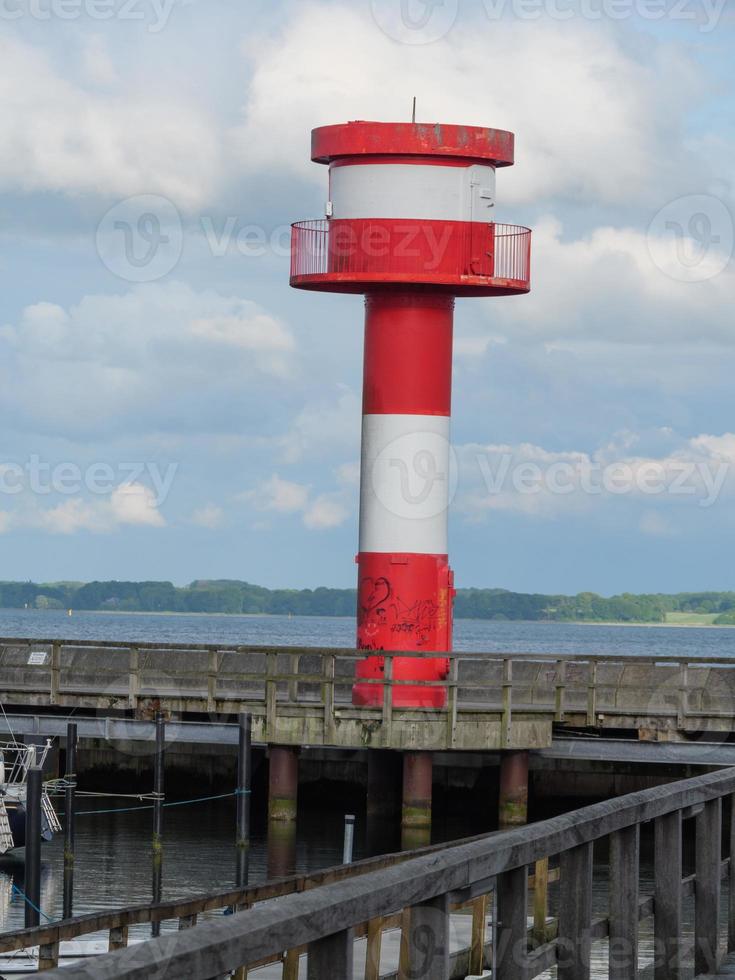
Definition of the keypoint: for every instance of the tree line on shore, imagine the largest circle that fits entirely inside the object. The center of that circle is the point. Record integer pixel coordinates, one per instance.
(231, 596)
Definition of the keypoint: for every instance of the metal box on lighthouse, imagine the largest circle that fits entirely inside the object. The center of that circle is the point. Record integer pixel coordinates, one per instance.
(410, 223)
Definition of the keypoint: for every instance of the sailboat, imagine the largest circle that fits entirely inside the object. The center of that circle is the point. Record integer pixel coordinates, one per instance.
(15, 761)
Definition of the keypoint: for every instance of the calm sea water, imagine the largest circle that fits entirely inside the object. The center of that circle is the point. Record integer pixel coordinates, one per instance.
(113, 850)
(470, 634)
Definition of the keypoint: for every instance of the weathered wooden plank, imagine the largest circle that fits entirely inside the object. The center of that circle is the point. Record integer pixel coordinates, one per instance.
(428, 940)
(512, 936)
(574, 941)
(373, 949)
(477, 944)
(667, 909)
(707, 890)
(624, 902)
(540, 884)
(48, 957)
(331, 957)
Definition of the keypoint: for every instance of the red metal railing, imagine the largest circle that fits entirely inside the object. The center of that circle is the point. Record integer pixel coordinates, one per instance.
(467, 254)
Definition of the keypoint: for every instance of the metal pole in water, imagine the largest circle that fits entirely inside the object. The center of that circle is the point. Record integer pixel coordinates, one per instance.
(158, 798)
(34, 783)
(70, 778)
(349, 838)
(242, 799)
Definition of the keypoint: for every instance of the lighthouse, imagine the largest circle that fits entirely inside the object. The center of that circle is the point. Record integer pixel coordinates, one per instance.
(410, 223)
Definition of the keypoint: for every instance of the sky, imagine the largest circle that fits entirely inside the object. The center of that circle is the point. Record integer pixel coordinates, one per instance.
(172, 410)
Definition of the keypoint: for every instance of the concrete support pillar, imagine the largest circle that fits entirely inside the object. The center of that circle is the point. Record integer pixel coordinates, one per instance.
(513, 802)
(283, 782)
(281, 848)
(416, 810)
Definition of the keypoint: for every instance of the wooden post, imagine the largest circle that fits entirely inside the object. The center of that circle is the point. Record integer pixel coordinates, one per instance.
(667, 916)
(428, 940)
(118, 938)
(540, 901)
(513, 794)
(374, 948)
(331, 957)
(452, 691)
(477, 943)
(328, 669)
(561, 672)
(70, 778)
(511, 944)
(271, 695)
(592, 694)
(242, 799)
(158, 798)
(48, 957)
(34, 788)
(707, 893)
(506, 722)
(291, 965)
(134, 678)
(55, 672)
(387, 701)
(575, 913)
(624, 888)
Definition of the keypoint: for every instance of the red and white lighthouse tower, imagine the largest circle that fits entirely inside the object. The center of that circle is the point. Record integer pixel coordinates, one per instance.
(410, 223)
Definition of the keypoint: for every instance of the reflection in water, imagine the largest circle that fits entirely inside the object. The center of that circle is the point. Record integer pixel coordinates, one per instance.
(281, 848)
(113, 858)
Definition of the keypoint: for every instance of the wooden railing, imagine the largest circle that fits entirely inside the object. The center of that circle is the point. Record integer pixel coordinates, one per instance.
(423, 889)
(303, 695)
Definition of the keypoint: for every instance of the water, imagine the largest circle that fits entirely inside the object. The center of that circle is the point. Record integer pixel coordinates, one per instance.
(113, 867)
(475, 635)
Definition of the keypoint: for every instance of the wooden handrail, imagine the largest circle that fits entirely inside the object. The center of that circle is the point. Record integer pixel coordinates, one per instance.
(428, 884)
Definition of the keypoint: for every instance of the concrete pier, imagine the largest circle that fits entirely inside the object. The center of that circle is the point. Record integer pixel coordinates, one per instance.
(416, 808)
(283, 782)
(513, 801)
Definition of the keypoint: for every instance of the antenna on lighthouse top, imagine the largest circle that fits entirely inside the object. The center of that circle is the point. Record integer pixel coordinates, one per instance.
(413, 111)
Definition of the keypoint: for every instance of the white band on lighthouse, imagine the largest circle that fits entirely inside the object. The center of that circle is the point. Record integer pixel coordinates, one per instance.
(418, 191)
(408, 476)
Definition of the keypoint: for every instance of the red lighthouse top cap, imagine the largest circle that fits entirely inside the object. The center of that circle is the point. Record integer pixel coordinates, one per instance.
(358, 138)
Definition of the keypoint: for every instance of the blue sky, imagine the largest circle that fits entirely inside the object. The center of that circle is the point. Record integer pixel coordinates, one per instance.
(177, 412)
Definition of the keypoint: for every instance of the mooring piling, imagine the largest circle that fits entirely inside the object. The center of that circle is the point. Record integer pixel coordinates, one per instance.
(34, 789)
(158, 799)
(349, 840)
(242, 798)
(70, 784)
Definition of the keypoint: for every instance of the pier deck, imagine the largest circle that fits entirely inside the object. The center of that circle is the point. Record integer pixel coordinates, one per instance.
(302, 696)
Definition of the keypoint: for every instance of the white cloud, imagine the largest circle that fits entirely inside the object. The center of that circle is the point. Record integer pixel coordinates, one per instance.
(536, 482)
(282, 496)
(129, 505)
(324, 428)
(318, 513)
(327, 511)
(159, 354)
(58, 135)
(133, 503)
(593, 120)
(605, 287)
(210, 516)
